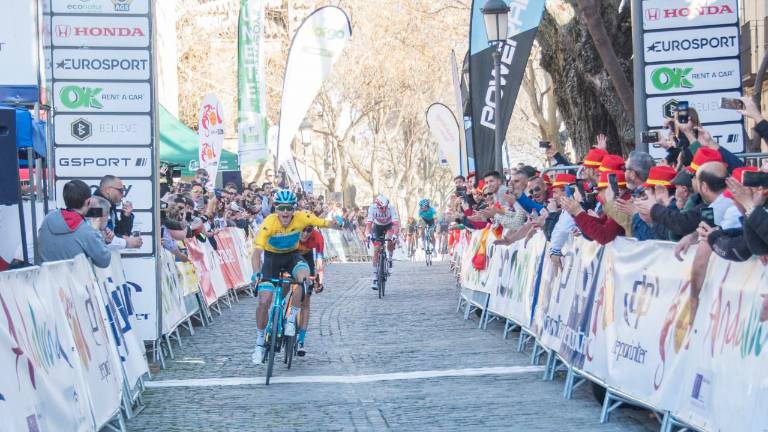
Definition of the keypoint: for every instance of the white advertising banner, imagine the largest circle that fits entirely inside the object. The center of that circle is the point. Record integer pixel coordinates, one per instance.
(211, 134)
(79, 64)
(95, 7)
(139, 276)
(728, 135)
(104, 130)
(479, 280)
(172, 292)
(95, 162)
(86, 31)
(691, 44)
(689, 77)
(98, 97)
(706, 104)
(316, 46)
(138, 192)
(18, 52)
(445, 130)
(460, 112)
(669, 14)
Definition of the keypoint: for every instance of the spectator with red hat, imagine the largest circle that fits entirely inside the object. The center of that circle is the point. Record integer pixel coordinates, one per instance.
(562, 182)
(602, 228)
(753, 201)
(657, 188)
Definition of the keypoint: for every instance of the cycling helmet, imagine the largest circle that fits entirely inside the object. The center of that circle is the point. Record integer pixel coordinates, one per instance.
(424, 202)
(284, 196)
(381, 201)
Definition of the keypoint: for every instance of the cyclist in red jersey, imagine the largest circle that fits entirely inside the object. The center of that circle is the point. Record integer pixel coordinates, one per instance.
(311, 247)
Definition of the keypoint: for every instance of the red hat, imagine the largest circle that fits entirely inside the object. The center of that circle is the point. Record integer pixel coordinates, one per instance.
(564, 180)
(612, 163)
(660, 176)
(738, 174)
(620, 178)
(546, 179)
(594, 158)
(481, 185)
(702, 156)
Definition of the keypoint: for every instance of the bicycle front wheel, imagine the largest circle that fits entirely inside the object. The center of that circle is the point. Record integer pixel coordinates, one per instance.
(382, 273)
(272, 346)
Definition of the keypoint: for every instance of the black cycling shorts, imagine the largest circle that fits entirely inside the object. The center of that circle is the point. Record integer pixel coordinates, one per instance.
(309, 258)
(379, 231)
(277, 263)
(428, 222)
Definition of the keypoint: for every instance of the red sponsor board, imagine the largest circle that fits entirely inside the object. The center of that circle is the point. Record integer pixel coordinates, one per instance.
(226, 252)
(197, 256)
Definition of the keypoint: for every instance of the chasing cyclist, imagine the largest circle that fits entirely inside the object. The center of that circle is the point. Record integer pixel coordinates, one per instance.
(411, 230)
(383, 220)
(427, 216)
(278, 238)
(311, 247)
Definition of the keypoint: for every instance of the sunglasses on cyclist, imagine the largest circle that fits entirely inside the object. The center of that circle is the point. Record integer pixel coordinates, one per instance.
(285, 208)
(488, 194)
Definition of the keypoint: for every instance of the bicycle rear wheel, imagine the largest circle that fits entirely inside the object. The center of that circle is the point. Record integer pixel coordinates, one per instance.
(382, 272)
(272, 346)
(290, 349)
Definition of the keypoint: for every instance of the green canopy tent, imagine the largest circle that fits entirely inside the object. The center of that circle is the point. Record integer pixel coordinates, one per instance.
(179, 145)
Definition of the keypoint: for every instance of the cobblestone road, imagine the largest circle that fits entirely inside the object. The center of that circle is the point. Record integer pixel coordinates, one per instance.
(353, 335)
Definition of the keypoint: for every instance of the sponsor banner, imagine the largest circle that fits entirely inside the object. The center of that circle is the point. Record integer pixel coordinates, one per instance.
(729, 136)
(138, 192)
(101, 97)
(79, 64)
(478, 280)
(140, 277)
(171, 292)
(18, 47)
(229, 261)
(251, 83)
(104, 129)
(100, 6)
(44, 386)
(724, 380)
(692, 77)
(691, 44)
(485, 111)
(189, 281)
(445, 130)
(95, 162)
(315, 47)
(458, 94)
(671, 14)
(706, 104)
(87, 31)
(75, 288)
(117, 297)
(210, 130)
(639, 330)
(202, 255)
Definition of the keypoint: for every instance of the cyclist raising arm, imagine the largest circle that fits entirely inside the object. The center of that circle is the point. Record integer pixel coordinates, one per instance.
(382, 219)
(278, 239)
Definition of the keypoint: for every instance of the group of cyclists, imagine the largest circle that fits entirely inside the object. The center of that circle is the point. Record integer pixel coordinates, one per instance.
(289, 241)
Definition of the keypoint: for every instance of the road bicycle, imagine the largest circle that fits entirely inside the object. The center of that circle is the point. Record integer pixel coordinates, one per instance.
(427, 233)
(382, 267)
(275, 339)
(411, 242)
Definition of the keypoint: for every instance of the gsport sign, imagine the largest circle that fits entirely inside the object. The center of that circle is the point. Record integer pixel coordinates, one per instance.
(687, 77)
(102, 97)
(80, 31)
(101, 64)
(691, 44)
(671, 14)
(96, 162)
(100, 6)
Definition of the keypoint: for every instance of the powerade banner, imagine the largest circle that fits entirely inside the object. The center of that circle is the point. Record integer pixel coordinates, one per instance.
(524, 18)
(315, 47)
(251, 91)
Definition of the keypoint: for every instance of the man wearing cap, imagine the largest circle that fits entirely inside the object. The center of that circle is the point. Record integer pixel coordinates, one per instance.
(562, 182)
(601, 229)
(658, 187)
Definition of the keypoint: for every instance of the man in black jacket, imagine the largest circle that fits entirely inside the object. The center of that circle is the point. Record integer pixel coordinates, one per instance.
(120, 221)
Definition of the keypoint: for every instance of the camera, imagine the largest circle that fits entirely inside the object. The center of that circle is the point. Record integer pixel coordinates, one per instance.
(682, 112)
(756, 179)
(731, 103)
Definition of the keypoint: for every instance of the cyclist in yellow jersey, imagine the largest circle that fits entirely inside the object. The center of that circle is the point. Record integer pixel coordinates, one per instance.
(278, 239)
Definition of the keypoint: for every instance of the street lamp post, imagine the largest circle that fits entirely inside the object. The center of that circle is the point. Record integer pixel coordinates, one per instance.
(306, 139)
(496, 13)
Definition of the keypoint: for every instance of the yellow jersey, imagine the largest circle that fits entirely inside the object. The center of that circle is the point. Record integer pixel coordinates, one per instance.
(273, 237)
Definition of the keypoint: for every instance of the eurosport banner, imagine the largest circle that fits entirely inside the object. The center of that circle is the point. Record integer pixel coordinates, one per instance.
(18, 47)
(210, 130)
(315, 47)
(445, 130)
(524, 18)
(459, 95)
(251, 85)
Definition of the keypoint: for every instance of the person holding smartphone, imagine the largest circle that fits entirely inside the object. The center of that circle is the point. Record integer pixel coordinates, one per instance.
(599, 228)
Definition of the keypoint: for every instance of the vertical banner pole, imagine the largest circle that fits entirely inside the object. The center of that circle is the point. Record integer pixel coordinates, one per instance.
(638, 73)
(499, 162)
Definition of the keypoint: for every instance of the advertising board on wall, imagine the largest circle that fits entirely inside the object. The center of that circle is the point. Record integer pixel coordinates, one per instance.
(103, 97)
(691, 54)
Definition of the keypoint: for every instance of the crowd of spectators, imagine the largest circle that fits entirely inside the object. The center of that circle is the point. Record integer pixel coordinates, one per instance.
(699, 193)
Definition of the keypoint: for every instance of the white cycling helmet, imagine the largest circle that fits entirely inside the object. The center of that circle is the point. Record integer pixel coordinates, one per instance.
(381, 201)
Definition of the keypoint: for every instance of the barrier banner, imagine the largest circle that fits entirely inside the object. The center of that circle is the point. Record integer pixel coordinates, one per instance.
(483, 280)
(171, 290)
(189, 280)
(227, 257)
(121, 316)
(640, 325)
(212, 284)
(724, 385)
(244, 250)
(77, 291)
(43, 386)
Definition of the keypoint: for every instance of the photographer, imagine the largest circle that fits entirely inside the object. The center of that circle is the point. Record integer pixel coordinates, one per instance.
(64, 234)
